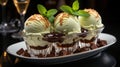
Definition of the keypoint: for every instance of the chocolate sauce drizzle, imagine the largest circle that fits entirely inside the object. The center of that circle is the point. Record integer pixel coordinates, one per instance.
(54, 37)
(59, 37)
(39, 47)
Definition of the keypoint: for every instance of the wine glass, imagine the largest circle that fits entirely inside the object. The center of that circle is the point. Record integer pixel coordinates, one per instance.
(5, 27)
(21, 6)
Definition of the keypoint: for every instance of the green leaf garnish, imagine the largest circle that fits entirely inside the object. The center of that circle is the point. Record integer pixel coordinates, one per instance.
(66, 8)
(41, 9)
(75, 5)
(81, 13)
(74, 10)
(48, 14)
(51, 19)
(51, 12)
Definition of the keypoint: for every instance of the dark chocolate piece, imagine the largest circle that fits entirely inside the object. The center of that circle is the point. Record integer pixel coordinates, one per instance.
(26, 54)
(93, 45)
(20, 51)
(39, 56)
(84, 49)
(101, 43)
(63, 52)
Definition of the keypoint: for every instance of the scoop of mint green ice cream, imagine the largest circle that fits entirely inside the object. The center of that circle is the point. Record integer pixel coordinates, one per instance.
(37, 24)
(66, 23)
(34, 27)
(93, 22)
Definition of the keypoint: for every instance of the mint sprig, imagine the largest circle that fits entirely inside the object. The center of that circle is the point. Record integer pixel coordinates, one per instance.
(49, 14)
(74, 10)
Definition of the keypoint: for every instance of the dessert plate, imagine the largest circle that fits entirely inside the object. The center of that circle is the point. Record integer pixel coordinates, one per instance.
(12, 49)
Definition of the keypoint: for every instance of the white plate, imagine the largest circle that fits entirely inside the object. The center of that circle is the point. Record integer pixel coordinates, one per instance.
(12, 49)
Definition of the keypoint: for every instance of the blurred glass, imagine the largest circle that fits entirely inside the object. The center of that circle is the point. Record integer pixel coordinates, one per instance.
(21, 6)
(5, 27)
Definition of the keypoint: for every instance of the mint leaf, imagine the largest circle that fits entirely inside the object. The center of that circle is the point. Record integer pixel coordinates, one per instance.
(51, 19)
(67, 9)
(75, 5)
(51, 12)
(48, 14)
(76, 13)
(41, 9)
(82, 13)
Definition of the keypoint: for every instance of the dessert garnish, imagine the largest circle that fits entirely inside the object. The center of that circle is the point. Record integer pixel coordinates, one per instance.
(49, 14)
(74, 10)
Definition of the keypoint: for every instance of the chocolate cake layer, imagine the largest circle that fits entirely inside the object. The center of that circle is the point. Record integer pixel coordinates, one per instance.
(87, 41)
(54, 37)
(65, 45)
(39, 47)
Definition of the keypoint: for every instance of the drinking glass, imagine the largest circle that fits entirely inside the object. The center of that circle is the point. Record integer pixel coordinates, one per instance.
(5, 27)
(21, 6)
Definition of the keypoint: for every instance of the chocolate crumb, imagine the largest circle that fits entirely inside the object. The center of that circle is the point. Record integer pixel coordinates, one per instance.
(52, 53)
(102, 43)
(77, 50)
(98, 41)
(39, 56)
(26, 54)
(84, 49)
(20, 51)
(63, 52)
(93, 45)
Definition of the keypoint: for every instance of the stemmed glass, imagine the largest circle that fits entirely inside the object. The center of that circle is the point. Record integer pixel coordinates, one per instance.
(21, 6)
(5, 27)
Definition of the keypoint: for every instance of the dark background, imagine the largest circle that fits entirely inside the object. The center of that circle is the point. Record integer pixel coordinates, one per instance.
(108, 9)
